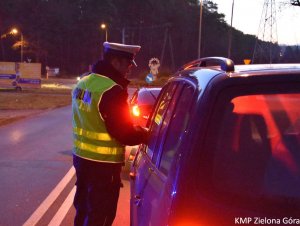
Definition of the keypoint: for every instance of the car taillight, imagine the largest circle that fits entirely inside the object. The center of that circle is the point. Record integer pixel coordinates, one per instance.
(136, 111)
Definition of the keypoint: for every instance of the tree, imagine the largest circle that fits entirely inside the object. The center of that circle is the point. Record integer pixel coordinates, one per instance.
(66, 33)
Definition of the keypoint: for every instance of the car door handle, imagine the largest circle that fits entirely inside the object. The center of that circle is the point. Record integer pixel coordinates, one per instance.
(137, 200)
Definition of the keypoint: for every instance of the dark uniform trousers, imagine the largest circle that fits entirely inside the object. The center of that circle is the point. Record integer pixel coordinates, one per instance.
(98, 187)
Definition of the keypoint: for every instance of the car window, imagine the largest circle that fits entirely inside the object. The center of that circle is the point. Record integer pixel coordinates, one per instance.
(157, 119)
(176, 128)
(257, 152)
(166, 122)
(148, 96)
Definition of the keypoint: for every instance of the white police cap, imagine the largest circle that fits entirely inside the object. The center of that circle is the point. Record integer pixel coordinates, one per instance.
(127, 51)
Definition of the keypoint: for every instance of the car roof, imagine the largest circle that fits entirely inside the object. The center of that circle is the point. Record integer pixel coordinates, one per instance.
(203, 70)
(266, 69)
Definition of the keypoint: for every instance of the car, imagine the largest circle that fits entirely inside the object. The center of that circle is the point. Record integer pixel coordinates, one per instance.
(224, 148)
(141, 104)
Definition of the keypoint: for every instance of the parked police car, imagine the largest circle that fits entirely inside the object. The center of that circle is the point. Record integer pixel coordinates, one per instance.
(224, 148)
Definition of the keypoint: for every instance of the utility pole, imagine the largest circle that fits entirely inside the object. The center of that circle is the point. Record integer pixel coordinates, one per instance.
(200, 29)
(167, 38)
(230, 32)
(123, 35)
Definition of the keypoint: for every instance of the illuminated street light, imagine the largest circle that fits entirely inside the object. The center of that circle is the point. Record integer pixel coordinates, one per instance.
(15, 31)
(104, 27)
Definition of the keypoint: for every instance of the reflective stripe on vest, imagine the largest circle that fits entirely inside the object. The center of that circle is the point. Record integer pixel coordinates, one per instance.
(90, 137)
(99, 149)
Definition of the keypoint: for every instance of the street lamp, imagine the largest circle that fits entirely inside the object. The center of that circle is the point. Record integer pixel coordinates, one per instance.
(11, 32)
(15, 31)
(104, 27)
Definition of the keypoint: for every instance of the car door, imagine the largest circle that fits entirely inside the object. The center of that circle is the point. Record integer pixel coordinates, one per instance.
(153, 193)
(143, 165)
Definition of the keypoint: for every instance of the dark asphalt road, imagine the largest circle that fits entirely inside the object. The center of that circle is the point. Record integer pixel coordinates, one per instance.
(34, 154)
(36, 181)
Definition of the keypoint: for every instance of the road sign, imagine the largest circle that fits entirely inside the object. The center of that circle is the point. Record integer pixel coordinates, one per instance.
(149, 78)
(247, 61)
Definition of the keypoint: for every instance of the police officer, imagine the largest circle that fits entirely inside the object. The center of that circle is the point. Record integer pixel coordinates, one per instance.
(101, 127)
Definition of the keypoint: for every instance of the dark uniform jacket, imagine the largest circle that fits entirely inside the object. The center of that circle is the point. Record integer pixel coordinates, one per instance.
(114, 108)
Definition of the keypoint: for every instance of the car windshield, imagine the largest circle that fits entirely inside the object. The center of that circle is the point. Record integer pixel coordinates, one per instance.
(258, 146)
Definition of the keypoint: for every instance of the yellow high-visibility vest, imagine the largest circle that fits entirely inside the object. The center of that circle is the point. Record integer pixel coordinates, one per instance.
(90, 137)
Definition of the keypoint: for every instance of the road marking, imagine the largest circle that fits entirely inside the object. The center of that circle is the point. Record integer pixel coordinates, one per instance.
(63, 210)
(44, 206)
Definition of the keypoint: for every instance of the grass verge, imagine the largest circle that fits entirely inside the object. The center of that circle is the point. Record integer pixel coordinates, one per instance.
(18, 105)
(44, 99)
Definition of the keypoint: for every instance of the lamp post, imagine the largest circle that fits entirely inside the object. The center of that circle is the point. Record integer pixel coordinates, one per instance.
(200, 29)
(230, 31)
(15, 31)
(104, 27)
(22, 40)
